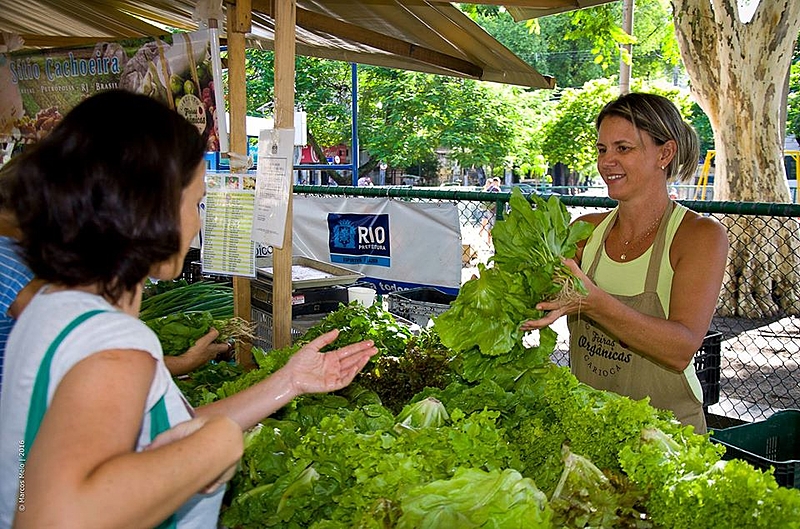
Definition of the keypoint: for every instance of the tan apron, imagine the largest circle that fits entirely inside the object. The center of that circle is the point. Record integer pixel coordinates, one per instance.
(600, 360)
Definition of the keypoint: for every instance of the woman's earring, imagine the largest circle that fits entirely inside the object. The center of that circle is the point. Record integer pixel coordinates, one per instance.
(662, 167)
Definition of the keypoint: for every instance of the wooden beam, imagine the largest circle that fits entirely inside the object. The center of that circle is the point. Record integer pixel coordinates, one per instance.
(56, 41)
(312, 21)
(241, 18)
(237, 98)
(285, 32)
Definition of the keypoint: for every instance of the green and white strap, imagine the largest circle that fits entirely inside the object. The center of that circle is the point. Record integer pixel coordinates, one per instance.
(159, 420)
(38, 405)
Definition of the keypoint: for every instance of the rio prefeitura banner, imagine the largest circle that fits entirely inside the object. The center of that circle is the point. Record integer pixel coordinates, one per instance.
(396, 245)
(38, 88)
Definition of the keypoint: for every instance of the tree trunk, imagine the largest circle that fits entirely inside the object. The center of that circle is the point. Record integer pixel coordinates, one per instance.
(738, 72)
(761, 274)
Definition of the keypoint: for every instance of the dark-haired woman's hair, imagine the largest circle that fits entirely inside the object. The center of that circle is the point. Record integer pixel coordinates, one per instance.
(7, 174)
(98, 199)
(660, 118)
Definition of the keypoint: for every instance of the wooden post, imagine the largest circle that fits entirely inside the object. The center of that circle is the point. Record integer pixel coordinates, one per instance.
(285, 20)
(239, 18)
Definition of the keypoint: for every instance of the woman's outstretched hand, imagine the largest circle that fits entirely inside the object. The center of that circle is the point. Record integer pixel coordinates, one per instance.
(315, 372)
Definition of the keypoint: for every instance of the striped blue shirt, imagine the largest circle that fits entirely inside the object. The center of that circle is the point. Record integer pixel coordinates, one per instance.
(14, 275)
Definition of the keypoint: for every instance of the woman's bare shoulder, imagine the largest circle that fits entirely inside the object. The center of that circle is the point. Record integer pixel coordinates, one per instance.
(701, 231)
(702, 226)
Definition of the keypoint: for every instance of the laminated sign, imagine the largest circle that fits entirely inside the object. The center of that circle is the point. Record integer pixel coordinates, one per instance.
(274, 171)
(227, 246)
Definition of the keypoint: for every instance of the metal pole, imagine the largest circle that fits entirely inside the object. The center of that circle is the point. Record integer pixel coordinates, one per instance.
(354, 106)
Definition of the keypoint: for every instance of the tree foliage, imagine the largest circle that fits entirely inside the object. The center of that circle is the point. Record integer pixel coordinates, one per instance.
(405, 117)
(655, 50)
(541, 43)
(322, 90)
(702, 126)
(570, 136)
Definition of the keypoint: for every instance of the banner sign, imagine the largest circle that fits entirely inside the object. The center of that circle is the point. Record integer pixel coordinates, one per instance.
(396, 245)
(37, 88)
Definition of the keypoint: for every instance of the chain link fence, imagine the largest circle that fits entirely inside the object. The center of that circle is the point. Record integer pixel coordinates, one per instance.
(758, 309)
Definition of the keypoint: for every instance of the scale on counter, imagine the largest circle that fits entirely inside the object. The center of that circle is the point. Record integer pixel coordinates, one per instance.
(310, 273)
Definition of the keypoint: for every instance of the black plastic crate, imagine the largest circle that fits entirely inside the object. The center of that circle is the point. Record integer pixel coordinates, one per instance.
(774, 442)
(707, 366)
(305, 301)
(419, 305)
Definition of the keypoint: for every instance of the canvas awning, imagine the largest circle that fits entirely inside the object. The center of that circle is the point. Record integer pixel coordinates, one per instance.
(427, 36)
(539, 8)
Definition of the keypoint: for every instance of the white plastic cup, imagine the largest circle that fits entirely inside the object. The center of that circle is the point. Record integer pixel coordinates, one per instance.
(364, 295)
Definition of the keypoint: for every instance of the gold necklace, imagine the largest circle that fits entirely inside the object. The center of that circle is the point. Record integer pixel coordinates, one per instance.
(624, 255)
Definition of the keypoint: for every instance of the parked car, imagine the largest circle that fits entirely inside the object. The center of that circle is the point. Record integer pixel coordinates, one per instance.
(409, 179)
(527, 189)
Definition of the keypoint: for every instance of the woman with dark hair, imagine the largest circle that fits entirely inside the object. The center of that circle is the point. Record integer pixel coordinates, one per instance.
(17, 287)
(653, 268)
(94, 433)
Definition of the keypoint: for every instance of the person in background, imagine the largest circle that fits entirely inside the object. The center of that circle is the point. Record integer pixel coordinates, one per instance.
(382, 173)
(17, 284)
(492, 185)
(364, 181)
(653, 268)
(106, 437)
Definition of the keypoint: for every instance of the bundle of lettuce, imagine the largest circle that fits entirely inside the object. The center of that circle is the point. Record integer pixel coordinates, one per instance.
(527, 268)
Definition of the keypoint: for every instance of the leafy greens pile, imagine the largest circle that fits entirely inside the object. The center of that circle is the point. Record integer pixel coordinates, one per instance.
(180, 313)
(498, 437)
(346, 460)
(179, 331)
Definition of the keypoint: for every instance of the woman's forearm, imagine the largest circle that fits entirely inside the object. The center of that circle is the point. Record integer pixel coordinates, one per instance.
(668, 343)
(133, 489)
(251, 405)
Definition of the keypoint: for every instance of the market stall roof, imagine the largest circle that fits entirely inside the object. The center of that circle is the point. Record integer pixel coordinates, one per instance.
(523, 10)
(421, 35)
